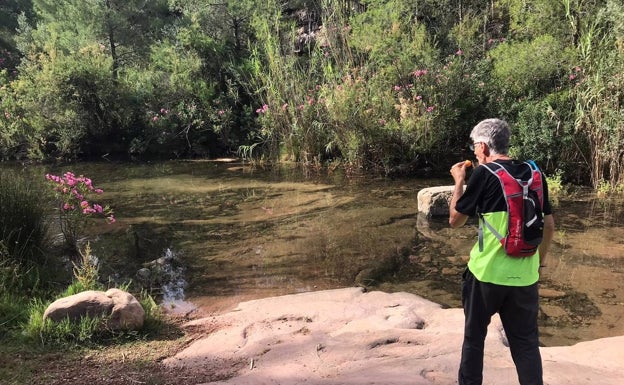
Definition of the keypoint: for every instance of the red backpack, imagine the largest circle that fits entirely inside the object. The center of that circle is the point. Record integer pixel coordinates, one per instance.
(525, 200)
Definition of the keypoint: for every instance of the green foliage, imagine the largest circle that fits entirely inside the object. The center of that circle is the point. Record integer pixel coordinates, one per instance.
(373, 93)
(88, 331)
(182, 78)
(556, 188)
(23, 225)
(600, 84)
(86, 271)
(544, 132)
(13, 311)
(65, 333)
(525, 67)
(535, 18)
(154, 318)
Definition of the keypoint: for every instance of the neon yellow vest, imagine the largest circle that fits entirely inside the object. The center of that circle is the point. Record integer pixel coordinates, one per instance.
(494, 266)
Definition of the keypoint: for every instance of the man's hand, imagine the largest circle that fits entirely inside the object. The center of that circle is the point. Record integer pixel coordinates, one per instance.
(458, 171)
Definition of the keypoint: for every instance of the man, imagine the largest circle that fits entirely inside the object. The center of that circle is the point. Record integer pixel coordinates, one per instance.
(495, 282)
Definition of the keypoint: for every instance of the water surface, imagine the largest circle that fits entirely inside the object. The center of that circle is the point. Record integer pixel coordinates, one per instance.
(243, 233)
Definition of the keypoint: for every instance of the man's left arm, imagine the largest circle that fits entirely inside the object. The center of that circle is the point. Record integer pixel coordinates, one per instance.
(549, 233)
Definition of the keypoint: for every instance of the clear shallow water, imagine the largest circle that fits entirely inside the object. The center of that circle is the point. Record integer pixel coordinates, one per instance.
(244, 233)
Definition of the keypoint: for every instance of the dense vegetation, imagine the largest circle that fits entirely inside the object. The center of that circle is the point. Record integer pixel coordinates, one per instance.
(375, 84)
(36, 268)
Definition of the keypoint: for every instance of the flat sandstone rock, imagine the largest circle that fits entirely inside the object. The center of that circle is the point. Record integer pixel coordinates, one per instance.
(348, 337)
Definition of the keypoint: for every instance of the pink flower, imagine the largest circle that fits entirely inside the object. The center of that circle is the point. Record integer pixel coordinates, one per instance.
(77, 194)
(459, 52)
(111, 219)
(397, 88)
(263, 109)
(430, 108)
(98, 209)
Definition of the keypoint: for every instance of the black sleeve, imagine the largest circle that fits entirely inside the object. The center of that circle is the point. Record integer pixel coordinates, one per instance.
(547, 209)
(469, 201)
(483, 194)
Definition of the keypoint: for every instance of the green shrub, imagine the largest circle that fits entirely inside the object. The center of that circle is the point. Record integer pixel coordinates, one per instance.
(13, 312)
(23, 224)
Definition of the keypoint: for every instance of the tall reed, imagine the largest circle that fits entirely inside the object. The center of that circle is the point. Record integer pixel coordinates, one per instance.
(599, 110)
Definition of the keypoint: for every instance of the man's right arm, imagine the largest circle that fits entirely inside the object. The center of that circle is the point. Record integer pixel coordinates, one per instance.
(457, 219)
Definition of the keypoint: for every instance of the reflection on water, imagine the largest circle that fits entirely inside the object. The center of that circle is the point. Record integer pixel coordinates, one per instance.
(246, 233)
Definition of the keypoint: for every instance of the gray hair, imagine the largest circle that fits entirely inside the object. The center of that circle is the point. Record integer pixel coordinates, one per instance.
(493, 132)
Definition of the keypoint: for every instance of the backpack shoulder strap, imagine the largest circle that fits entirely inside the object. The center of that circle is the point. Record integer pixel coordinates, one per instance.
(532, 165)
(493, 168)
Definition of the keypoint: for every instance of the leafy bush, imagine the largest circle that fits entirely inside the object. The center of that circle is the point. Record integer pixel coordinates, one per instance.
(23, 222)
(529, 67)
(13, 312)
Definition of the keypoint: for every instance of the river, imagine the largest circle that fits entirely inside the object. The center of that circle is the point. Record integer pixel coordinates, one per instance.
(239, 232)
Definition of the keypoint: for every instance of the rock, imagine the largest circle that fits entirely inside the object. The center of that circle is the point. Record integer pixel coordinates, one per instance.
(434, 201)
(122, 310)
(127, 312)
(551, 311)
(551, 293)
(349, 337)
(88, 303)
(144, 275)
(451, 271)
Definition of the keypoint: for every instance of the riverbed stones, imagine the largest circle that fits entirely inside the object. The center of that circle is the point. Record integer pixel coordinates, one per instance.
(434, 201)
(121, 310)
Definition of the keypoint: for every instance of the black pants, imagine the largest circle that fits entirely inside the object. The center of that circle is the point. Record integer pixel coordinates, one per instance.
(518, 308)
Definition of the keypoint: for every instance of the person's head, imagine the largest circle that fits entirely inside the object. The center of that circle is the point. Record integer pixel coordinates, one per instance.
(494, 133)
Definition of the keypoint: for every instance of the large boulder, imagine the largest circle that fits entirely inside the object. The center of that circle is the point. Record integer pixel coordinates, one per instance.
(434, 201)
(121, 309)
(127, 312)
